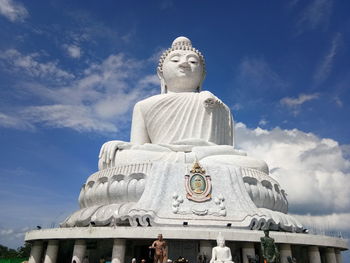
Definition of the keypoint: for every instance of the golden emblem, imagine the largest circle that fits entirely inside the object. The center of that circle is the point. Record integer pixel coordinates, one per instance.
(198, 184)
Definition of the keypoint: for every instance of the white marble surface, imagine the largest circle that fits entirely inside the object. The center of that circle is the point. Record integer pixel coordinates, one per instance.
(159, 198)
(197, 233)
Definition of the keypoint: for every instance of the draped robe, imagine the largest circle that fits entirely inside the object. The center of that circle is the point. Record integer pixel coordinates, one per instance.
(183, 118)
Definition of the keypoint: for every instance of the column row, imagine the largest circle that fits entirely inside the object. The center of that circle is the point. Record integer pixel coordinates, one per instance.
(78, 251)
(330, 255)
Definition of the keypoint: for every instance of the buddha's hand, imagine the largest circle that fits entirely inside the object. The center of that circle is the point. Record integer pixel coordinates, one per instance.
(210, 103)
(109, 149)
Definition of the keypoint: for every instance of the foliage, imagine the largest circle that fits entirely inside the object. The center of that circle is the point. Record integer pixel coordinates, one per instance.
(21, 252)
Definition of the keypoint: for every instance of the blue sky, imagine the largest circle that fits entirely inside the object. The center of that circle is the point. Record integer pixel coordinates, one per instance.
(71, 71)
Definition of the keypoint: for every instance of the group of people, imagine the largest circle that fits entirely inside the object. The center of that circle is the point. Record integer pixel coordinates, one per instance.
(220, 253)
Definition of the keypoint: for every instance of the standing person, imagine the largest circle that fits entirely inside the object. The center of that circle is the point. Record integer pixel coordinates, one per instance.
(160, 247)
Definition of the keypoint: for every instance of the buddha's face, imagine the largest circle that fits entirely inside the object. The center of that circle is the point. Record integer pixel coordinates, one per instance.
(221, 242)
(182, 71)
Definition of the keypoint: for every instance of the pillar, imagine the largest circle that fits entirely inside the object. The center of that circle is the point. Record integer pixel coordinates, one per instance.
(314, 254)
(285, 252)
(248, 249)
(330, 255)
(338, 256)
(79, 251)
(205, 248)
(36, 251)
(51, 252)
(118, 253)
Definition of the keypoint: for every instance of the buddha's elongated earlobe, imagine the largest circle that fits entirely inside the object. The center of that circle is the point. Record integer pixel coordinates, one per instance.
(163, 87)
(199, 89)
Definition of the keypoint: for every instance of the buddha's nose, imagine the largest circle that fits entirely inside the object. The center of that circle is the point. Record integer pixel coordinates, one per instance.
(184, 64)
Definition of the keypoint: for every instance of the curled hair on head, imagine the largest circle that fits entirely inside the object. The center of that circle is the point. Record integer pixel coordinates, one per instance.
(180, 43)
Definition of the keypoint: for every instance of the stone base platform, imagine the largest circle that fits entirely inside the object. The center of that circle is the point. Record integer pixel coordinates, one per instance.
(183, 233)
(123, 242)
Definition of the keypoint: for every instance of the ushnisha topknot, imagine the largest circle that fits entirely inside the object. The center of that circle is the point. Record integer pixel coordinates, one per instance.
(180, 43)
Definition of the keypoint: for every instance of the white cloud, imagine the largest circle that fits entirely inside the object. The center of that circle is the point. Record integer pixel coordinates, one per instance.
(314, 171)
(5, 232)
(325, 67)
(73, 51)
(149, 80)
(315, 15)
(8, 121)
(12, 10)
(295, 104)
(338, 101)
(13, 237)
(94, 99)
(263, 122)
(237, 106)
(30, 65)
(324, 223)
(79, 118)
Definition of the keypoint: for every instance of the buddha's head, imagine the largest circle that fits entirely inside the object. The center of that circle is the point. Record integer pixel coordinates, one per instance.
(181, 68)
(220, 240)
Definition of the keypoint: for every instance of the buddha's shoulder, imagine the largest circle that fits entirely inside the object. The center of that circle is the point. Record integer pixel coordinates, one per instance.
(150, 100)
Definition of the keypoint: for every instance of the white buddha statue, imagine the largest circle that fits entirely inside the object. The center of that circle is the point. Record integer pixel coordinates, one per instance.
(183, 123)
(142, 180)
(221, 253)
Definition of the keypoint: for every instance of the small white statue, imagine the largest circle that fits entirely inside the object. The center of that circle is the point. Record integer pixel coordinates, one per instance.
(221, 253)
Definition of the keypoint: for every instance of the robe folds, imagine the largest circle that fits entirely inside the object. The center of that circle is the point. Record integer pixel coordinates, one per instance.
(185, 118)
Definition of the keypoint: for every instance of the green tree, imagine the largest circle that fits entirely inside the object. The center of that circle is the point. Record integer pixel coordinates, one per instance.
(21, 252)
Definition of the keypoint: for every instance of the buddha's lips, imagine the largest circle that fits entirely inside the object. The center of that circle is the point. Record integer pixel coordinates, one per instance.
(185, 67)
(184, 70)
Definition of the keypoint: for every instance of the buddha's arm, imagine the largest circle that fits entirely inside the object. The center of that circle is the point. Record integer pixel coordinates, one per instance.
(139, 134)
(213, 255)
(229, 255)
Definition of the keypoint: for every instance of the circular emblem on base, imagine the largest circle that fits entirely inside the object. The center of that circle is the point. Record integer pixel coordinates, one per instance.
(198, 184)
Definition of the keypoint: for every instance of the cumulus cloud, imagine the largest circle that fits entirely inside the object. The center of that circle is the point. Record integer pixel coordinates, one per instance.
(79, 118)
(263, 122)
(320, 224)
(295, 103)
(30, 65)
(315, 15)
(12, 10)
(73, 51)
(314, 171)
(324, 69)
(93, 99)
